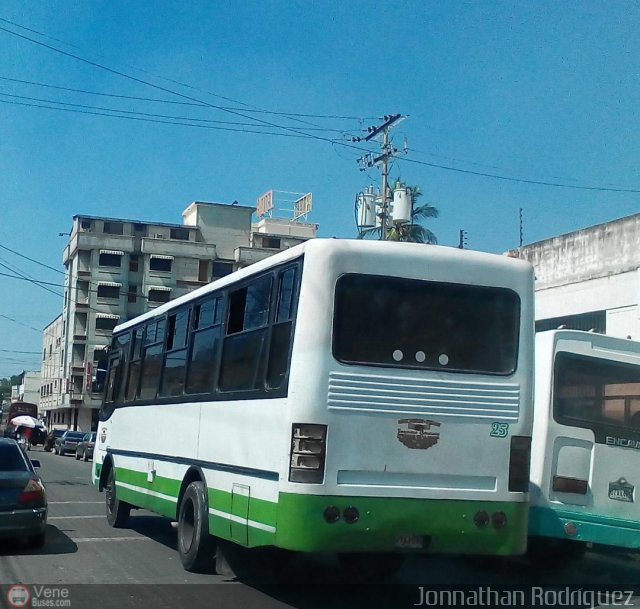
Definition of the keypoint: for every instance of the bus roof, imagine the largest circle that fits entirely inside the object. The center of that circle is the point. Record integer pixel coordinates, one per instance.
(593, 339)
(347, 247)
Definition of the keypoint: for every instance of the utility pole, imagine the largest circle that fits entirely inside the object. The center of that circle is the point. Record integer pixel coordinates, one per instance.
(382, 159)
(463, 239)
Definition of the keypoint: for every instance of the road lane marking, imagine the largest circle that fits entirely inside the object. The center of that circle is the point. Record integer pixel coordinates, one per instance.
(67, 517)
(83, 539)
(73, 502)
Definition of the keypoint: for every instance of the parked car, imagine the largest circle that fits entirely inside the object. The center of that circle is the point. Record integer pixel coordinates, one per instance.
(52, 436)
(23, 501)
(85, 446)
(67, 442)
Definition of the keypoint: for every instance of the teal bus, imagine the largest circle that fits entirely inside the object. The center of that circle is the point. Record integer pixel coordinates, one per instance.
(585, 461)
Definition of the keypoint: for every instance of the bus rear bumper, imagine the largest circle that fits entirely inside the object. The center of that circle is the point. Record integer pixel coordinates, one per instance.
(386, 524)
(592, 528)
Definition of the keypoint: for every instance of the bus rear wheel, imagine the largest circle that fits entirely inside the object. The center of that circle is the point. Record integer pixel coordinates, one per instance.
(195, 545)
(117, 510)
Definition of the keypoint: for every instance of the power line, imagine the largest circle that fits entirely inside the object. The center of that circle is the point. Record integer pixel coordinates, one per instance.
(150, 120)
(184, 103)
(148, 114)
(15, 321)
(466, 161)
(291, 129)
(158, 87)
(521, 180)
(4, 247)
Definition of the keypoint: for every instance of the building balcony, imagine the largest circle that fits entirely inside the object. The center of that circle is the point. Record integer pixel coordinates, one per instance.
(92, 241)
(178, 249)
(248, 255)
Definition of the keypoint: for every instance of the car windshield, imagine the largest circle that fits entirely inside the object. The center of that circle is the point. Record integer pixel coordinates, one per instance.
(11, 459)
(74, 435)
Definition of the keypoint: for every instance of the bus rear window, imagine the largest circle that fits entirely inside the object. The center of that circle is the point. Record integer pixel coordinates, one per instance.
(408, 323)
(593, 392)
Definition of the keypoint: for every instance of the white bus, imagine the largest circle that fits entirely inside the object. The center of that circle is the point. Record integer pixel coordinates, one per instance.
(342, 396)
(585, 463)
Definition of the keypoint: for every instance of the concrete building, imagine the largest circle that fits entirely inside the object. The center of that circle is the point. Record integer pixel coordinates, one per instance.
(28, 387)
(116, 269)
(589, 279)
(52, 371)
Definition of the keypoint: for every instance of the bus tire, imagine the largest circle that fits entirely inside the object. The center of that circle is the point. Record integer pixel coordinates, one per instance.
(195, 545)
(117, 510)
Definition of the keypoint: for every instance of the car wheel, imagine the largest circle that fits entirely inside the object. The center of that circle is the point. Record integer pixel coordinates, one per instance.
(195, 545)
(36, 541)
(117, 511)
(85, 457)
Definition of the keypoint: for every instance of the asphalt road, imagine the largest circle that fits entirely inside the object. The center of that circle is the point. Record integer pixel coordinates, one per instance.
(81, 548)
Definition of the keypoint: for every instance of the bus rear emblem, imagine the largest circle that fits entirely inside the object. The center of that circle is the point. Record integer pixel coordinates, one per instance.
(621, 490)
(417, 434)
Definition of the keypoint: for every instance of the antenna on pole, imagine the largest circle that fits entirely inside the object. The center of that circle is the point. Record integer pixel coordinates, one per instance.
(521, 233)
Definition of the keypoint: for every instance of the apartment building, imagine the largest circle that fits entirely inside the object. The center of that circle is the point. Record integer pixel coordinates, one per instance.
(51, 370)
(589, 279)
(28, 387)
(116, 269)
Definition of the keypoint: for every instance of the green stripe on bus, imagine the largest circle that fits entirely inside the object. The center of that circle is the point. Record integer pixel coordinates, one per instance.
(165, 486)
(296, 522)
(593, 528)
(447, 526)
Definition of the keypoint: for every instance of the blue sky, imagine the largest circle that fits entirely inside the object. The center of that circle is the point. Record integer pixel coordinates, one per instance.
(543, 91)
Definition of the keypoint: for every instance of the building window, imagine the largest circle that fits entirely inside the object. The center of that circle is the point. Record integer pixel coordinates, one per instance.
(110, 290)
(203, 270)
(159, 295)
(113, 228)
(111, 259)
(140, 230)
(160, 264)
(271, 243)
(85, 224)
(132, 295)
(180, 233)
(133, 263)
(222, 269)
(106, 323)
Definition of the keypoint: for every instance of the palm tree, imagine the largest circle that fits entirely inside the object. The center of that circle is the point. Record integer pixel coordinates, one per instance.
(413, 231)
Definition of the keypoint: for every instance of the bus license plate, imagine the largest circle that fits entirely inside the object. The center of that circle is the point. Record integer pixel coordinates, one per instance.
(410, 542)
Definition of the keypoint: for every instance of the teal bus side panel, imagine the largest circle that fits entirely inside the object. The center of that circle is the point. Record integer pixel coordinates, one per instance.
(593, 528)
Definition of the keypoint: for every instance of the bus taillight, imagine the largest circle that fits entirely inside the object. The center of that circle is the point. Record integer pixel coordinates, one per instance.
(308, 448)
(519, 459)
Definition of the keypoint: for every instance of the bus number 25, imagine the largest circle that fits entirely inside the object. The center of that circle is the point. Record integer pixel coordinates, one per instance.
(499, 430)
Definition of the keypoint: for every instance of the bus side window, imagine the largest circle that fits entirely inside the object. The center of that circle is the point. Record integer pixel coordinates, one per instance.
(282, 330)
(133, 372)
(152, 360)
(112, 380)
(204, 346)
(175, 359)
(122, 344)
(243, 352)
